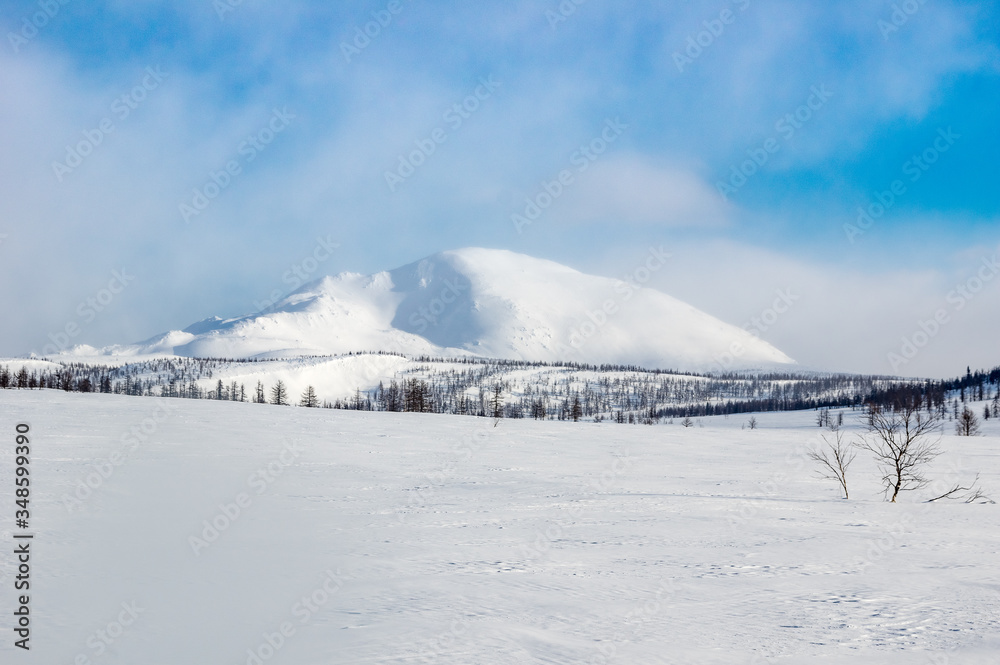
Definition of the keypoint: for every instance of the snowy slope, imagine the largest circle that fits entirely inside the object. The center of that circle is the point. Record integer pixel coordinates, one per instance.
(451, 541)
(490, 303)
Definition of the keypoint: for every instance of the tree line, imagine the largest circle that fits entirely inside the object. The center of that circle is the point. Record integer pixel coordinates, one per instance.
(504, 389)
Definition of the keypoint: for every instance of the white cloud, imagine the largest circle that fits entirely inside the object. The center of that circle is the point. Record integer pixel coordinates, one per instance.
(629, 189)
(845, 319)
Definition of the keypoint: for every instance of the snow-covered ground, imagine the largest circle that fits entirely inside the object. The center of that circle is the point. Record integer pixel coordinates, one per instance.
(342, 377)
(407, 538)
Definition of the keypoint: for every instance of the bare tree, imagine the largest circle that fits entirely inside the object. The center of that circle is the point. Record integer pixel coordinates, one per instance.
(900, 439)
(752, 423)
(968, 423)
(834, 460)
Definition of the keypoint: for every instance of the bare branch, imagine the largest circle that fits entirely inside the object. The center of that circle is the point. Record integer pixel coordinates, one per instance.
(951, 494)
(974, 494)
(978, 496)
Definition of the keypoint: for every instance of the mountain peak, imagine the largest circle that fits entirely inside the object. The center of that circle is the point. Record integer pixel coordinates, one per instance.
(484, 302)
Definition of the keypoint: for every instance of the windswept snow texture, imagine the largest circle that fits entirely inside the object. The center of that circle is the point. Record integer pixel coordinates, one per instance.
(490, 303)
(407, 538)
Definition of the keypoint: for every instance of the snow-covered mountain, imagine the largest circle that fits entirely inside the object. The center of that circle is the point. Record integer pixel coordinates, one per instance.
(489, 303)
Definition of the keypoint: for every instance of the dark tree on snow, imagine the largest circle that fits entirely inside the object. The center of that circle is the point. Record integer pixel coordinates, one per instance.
(279, 394)
(901, 441)
(309, 399)
(496, 402)
(968, 423)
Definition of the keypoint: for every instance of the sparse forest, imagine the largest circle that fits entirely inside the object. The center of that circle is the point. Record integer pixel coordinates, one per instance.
(515, 389)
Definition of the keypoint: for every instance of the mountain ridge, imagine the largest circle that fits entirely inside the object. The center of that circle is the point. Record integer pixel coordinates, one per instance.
(480, 302)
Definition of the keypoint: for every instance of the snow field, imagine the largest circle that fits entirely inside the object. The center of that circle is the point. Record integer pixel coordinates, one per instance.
(354, 537)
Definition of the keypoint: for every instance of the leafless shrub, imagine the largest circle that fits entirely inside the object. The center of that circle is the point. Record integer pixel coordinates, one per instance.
(834, 460)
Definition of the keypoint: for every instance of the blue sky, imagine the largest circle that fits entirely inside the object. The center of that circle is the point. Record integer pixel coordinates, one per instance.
(554, 85)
